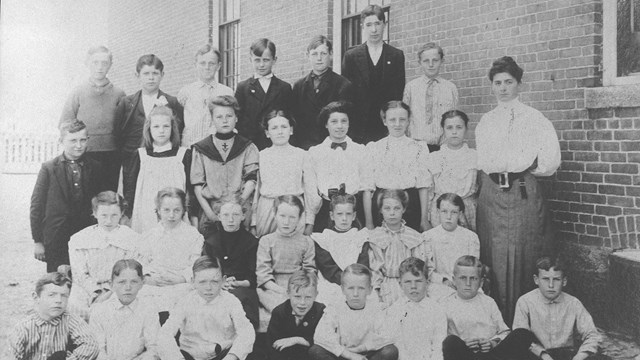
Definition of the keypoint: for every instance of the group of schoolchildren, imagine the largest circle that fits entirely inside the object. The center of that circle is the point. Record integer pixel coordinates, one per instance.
(224, 247)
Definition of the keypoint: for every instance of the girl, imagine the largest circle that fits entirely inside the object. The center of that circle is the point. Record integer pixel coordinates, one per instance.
(170, 248)
(311, 93)
(280, 172)
(158, 164)
(261, 93)
(448, 241)
(397, 162)
(391, 243)
(93, 250)
(337, 247)
(280, 254)
(454, 168)
(125, 327)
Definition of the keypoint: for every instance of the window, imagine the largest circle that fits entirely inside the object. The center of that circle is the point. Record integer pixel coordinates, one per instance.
(621, 42)
(229, 40)
(351, 28)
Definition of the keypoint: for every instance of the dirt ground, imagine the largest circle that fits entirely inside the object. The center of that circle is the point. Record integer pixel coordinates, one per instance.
(18, 268)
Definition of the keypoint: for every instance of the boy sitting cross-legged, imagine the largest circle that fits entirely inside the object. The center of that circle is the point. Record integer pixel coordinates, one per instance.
(353, 329)
(558, 320)
(475, 326)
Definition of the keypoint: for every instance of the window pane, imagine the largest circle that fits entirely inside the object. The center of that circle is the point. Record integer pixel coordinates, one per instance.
(229, 47)
(628, 34)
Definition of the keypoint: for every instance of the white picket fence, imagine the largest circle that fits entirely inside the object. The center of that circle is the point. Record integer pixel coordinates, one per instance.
(23, 152)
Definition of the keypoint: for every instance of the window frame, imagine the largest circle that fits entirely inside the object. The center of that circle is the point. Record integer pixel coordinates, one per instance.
(229, 72)
(610, 48)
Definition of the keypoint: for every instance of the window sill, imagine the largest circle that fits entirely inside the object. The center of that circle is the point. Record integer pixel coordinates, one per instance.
(612, 96)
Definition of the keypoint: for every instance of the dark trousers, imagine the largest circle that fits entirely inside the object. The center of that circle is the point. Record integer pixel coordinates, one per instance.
(411, 215)
(56, 255)
(249, 299)
(295, 352)
(127, 167)
(433, 148)
(110, 161)
(389, 352)
(514, 347)
(322, 217)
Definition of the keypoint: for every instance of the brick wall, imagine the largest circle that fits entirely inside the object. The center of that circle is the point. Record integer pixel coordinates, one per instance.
(290, 25)
(173, 30)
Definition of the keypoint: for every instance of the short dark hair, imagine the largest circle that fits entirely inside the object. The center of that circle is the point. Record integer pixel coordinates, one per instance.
(124, 264)
(54, 278)
(373, 10)
(356, 269)
(150, 60)
(259, 46)
(71, 127)
(343, 199)
(415, 266)
(453, 113)
(224, 101)
(342, 107)
(547, 262)
(455, 199)
(274, 114)
(506, 64)
(302, 278)
(429, 46)
(394, 104)
(207, 49)
(319, 40)
(205, 262)
(471, 261)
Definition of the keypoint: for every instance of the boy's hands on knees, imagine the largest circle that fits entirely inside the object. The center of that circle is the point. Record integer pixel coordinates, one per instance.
(282, 344)
(38, 251)
(308, 229)
(473, 344)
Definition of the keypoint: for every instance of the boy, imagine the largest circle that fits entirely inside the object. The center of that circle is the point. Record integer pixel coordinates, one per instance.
(94, 102)
(211, 322)
(558, 320)
(354, 329)
(293, 323)
(418, 323)
(334, 167)
(195, 96)
(236, 248)
(311, 93)
(429, 96)
(61, 200)
(376, 71)
(475, 326)
(49, 332)
(224, 165)
(133, 110)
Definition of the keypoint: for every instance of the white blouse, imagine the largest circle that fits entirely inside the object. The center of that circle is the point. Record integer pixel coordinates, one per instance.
(510, 137)
(453, 171)
(447, 247)
(396, 163)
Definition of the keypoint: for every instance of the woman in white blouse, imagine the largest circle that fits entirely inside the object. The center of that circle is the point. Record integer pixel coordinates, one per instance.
(516, 144)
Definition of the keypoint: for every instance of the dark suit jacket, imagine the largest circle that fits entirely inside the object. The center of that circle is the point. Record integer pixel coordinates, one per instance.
(255, 105)
(307, 105)
(283, 325)
(355, 67)
(130, 116)
(53, 220)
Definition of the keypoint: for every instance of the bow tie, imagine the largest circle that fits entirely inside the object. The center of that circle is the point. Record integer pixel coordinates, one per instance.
(336, 145)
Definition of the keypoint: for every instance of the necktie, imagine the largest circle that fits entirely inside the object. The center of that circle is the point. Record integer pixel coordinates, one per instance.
(429, 101)
(336, 145)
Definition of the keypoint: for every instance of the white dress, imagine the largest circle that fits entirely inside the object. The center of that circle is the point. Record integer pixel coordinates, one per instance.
(92, 253)
(344, 249)
(156, 173)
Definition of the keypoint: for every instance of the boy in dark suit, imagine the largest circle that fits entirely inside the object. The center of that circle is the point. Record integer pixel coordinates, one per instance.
(260, 94)
(61, 200)
(311, 93)
(376, 70)
(293, 323)
(133, 109)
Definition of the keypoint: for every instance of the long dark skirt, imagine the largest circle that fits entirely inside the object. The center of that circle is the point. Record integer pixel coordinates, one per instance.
(514, 232)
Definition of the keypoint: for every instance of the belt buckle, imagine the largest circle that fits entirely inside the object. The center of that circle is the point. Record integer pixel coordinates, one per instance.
(503, 180)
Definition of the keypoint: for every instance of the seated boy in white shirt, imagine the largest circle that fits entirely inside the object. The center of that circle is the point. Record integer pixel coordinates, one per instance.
(212, 323)
(558, 320)
(418, 323)
(353, 329)
(475, 325)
